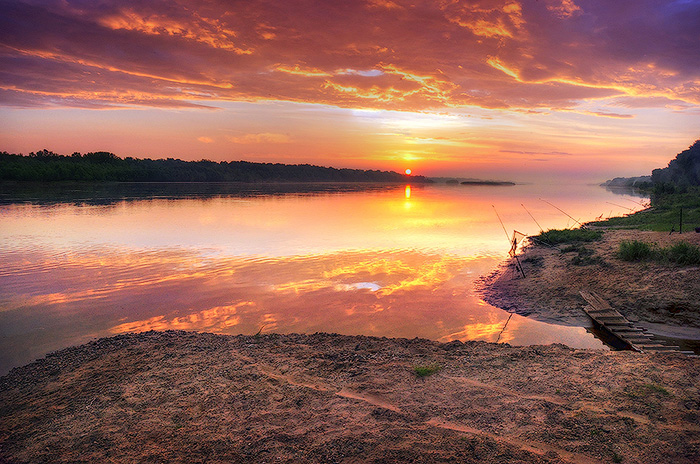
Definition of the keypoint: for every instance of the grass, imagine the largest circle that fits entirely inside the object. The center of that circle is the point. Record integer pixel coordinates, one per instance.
(634, 250)
(664, 215)
(657, 389)
(427, 370)
(559, 236)
(644, 390)
(681, 253)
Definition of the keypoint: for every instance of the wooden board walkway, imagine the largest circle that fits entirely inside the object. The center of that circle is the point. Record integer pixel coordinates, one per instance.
(610, 320)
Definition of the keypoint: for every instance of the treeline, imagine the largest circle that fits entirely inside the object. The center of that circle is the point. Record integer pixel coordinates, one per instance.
(681, 174)
(47, 166)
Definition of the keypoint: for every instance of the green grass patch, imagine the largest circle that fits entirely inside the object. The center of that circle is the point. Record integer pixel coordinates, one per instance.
(634, 250)
(657, 389)
(664, 214)
(559, 236)
(427, 370)
(683, 253)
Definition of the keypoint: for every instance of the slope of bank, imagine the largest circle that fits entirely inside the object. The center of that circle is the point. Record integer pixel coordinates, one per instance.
(648, 291)
(186, 397)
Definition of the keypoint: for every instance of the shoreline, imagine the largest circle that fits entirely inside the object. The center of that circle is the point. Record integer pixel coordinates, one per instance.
(663, 298)
(180, 396)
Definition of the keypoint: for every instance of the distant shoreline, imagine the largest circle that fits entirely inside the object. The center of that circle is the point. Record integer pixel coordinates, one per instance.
(47, 166)
(488, 182)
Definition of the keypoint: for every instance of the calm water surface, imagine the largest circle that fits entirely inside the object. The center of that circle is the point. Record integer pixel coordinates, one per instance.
(395, 261)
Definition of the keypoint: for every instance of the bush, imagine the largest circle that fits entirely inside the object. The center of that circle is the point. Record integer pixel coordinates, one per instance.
(557, 236)
(634, 250)
(683, 253)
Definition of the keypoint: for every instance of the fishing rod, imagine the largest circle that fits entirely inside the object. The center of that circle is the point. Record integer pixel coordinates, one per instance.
(533, 217)
(640, 203)
(501, 221)
(619, 206)
(504, 328)
(518, 266)
(564, 212)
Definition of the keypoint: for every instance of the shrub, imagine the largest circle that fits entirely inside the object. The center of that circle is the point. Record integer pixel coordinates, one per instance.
(557, 236)
(683, 253)
(634, 250)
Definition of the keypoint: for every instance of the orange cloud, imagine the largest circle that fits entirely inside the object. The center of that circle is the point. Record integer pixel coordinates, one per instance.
(260, 138)
(378, 54)
(207, 31)
(563, 8)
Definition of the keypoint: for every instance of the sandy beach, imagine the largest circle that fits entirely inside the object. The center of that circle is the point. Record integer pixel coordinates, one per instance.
(187, 397)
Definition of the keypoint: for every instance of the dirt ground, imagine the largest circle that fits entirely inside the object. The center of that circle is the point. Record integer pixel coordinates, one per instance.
(642, 291)
(184, 397)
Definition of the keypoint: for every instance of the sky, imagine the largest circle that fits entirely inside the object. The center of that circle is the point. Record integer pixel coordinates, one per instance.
(498, 89)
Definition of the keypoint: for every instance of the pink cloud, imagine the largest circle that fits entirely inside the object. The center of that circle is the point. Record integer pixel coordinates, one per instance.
(368, 54)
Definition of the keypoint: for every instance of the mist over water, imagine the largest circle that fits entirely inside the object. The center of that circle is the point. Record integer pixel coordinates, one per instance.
(395, 261)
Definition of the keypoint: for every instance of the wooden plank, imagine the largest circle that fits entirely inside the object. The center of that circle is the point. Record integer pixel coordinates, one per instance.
(594, 300)
(659, 348)
(618, 326)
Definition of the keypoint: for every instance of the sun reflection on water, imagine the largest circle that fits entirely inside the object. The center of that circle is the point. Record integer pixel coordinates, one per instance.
(398, 262)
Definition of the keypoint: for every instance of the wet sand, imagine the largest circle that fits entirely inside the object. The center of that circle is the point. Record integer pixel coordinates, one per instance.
(187, 397)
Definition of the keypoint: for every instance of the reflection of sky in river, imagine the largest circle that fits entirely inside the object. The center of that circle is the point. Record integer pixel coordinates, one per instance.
(396, 262)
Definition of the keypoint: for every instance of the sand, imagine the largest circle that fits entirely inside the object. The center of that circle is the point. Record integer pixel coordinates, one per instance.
(183, 397)
(664, 298)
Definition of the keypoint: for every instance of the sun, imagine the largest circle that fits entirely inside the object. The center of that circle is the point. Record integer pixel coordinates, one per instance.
(408, 172)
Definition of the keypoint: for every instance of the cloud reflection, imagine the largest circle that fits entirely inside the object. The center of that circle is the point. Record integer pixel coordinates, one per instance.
(217, 319)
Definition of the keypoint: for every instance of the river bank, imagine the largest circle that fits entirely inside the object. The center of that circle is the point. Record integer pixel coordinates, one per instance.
(665, 298)
(187, 397)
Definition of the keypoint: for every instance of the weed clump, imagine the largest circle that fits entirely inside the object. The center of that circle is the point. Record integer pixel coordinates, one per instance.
(559, 236)
(425, 371)
(634, 250)
(683, 253)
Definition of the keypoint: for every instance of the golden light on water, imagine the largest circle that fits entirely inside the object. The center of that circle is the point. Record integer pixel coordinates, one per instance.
(367, 262)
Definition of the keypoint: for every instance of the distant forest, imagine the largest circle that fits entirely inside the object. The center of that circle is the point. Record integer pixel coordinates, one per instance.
(680, 176)
(46, 166)
(682, 172)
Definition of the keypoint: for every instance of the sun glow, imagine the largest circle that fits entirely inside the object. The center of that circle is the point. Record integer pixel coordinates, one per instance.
(408, 172)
